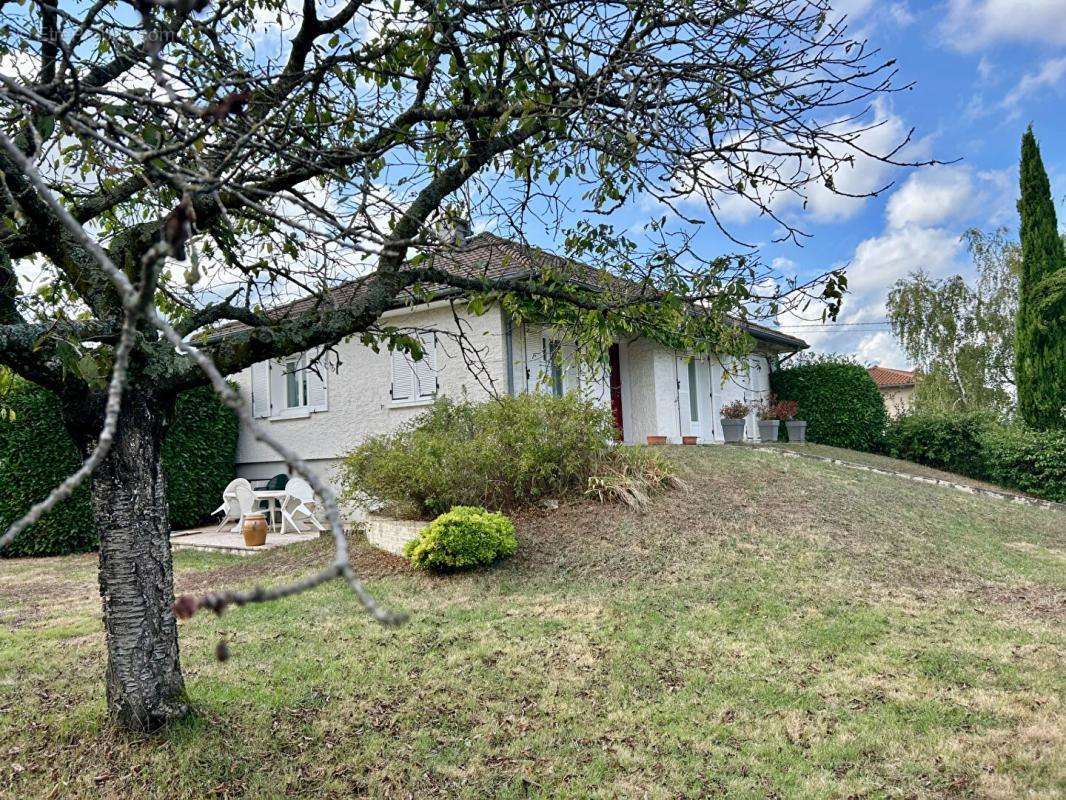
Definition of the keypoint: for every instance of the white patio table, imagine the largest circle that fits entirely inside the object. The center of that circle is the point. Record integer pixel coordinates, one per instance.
(274, 498)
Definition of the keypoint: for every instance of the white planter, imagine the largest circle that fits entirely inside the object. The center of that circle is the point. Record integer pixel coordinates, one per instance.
(390, 534)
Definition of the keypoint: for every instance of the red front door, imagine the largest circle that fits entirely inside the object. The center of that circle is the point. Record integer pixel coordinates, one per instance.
(616, 388)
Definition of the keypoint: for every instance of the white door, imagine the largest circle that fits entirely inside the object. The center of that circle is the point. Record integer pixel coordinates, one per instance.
(689, 403)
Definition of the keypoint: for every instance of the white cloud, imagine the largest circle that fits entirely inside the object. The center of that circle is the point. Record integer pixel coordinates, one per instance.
(930, 196)
(972, 24)
(1050, 75)
(857, 175)
(878, 262)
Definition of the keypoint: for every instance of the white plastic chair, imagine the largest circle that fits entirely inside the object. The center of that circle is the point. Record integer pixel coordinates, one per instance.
(299, 504)
(230, 508)
(246, 503)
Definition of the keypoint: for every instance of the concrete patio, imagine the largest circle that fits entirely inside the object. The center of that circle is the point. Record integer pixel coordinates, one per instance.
(212, 540)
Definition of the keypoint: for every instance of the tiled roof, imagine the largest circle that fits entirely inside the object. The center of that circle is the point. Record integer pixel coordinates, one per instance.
(484, 255)
(887, 378)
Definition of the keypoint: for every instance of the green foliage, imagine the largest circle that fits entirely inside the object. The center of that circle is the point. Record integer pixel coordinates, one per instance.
(960, 334)
(838, 399)
(37, 453)
(942, 440)
(978, 446)
(504, 453)
(1026, 460)
(199, 453)
(1041, 339)
(463, 538)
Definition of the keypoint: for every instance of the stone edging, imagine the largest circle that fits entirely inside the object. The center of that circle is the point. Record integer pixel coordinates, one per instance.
(960, 487)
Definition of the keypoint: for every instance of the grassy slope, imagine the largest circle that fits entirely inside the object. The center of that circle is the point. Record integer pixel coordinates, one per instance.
(891, 464)
(788, 629)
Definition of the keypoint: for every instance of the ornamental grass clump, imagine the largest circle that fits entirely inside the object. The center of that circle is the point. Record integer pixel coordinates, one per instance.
(632, 475)
(464, 538)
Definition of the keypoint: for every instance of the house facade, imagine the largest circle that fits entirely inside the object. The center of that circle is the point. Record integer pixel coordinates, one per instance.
(896, 387)
(325, 411)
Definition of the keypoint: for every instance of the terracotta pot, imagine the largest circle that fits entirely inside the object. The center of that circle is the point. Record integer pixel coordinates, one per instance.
(689, 439)
(656, 440)
(254, 529)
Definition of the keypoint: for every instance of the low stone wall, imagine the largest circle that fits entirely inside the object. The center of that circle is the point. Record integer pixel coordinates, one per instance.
(392, 534)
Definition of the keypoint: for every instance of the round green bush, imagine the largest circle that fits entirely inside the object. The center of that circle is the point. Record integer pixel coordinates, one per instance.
(463, 538)
(838, 399)
(37, 453)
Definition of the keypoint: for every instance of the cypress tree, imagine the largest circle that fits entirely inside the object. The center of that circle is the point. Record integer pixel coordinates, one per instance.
(1040, 341)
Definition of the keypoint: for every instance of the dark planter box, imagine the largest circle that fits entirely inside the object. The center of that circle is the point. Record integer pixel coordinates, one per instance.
(768, 429)
(797, 430)
(733, 430)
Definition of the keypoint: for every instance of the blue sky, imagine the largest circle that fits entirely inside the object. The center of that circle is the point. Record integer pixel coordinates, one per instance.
(983, 70)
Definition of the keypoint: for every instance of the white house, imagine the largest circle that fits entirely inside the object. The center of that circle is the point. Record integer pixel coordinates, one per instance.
(651, 391)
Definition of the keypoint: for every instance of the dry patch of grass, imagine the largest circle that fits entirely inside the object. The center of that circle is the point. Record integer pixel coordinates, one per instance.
(786, 629)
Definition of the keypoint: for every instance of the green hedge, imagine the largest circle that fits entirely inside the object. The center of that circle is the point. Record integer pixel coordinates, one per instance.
(199, 455)
(977, 446)
(838, 399)
(951, 442)
(36, 454)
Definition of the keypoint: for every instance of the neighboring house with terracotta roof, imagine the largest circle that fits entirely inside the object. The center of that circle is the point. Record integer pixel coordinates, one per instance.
(651, 390)
(896, 387)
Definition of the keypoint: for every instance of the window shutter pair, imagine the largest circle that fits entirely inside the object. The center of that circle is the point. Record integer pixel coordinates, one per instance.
(415, 380)
(268, 385)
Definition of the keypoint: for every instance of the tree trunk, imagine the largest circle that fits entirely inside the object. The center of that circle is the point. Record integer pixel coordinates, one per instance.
(145, 689)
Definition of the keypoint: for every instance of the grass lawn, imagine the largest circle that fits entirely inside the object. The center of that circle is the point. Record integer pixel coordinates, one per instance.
(788, 629)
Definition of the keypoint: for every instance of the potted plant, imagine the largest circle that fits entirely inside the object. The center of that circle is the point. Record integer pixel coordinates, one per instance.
(733, 419)
(689, 439)
(656, 439)
(769, 421)
(797, 428)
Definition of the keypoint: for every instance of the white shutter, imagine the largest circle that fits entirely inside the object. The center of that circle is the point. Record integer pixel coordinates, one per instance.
(518, 359)
(403, 377)
(317, 382)
(425, 371)
(261, 389)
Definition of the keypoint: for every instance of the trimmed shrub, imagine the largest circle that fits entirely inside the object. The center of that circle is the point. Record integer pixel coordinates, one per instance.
(977, 446)
(199, 454)
(838, 399)
(1029, 461)
(463, 538)
(502, 454)
(37, 453)
(945, 441)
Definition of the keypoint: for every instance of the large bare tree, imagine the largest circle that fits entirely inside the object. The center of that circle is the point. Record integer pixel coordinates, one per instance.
(173, 166)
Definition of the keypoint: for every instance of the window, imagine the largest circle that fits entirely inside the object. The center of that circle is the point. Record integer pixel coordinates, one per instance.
(295, 382)
(554, 355)
(294, 386)
(415, 381)
(693, 395)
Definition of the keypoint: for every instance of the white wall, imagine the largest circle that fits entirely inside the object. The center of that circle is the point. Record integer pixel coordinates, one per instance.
(359, 404)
